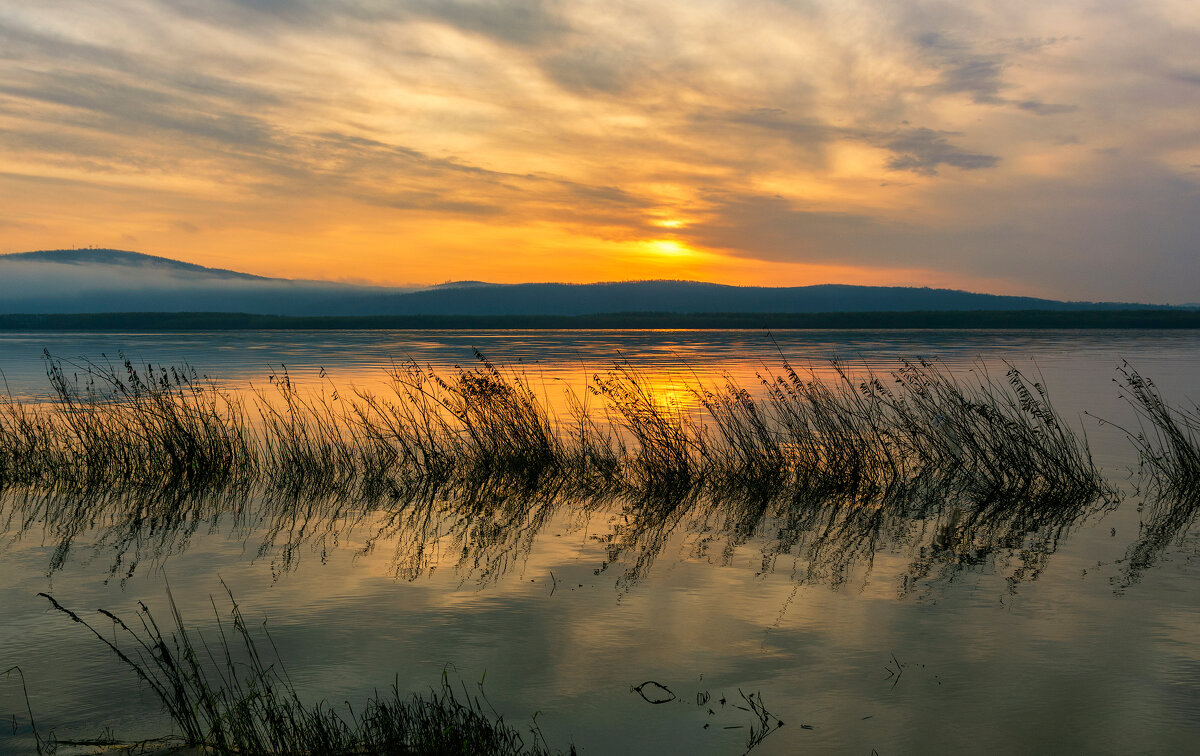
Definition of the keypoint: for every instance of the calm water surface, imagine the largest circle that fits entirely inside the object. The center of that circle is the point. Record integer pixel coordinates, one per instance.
(1076, 632)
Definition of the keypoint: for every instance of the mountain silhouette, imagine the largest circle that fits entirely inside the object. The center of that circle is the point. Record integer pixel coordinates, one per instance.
(85, 257)
(105, 280)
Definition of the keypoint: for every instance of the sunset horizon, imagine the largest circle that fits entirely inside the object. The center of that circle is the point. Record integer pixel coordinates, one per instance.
(1025, 150)
(560, 377)
(882, 281)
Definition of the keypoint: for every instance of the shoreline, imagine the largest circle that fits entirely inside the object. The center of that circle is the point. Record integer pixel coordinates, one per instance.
(922, 320)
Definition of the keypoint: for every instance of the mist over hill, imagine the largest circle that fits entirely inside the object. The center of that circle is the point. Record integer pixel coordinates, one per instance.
(104, 280)
(115, 258)
(110, 280)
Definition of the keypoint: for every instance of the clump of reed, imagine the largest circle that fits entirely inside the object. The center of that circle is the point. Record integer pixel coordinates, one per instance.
(860, 435)
(1167, 437)
(669, 447)
(305, 444)
(156, 429)
(227, 697)
(486, 419)
(993, 439)
(143, 427)
(833, 432)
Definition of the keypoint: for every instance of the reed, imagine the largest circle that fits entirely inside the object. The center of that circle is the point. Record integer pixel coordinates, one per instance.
(228, 697)
(834, 435)
(669, 446)
(139, 427)
(156, 429)
(992, 438)
(1167, 437)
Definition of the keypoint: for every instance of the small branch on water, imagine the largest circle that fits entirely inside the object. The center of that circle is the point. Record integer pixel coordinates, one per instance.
(653, 692)
(37, 738)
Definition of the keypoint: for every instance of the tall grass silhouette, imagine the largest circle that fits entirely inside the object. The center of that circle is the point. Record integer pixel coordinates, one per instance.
(227, 696)
(167, 428)
(1167, 437)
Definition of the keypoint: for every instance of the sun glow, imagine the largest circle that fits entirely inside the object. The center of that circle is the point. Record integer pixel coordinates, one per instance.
(670, 248)
(670, 222)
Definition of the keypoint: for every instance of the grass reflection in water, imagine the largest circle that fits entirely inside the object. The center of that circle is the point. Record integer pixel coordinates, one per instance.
(470, 467)
(831, 468)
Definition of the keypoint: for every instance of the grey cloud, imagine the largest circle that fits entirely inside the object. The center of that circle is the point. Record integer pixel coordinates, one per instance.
(609, 195)
(518, 22)
(801, 130)
(1043, 108)
(1185, 77)
(111, 64)
(609, 207)
(351, 156)
(772, 228)
(591, 70)
(348, 144)
(405, 179)
(262, 13)
(1033, 44)
(393, 176)
(980, 77)
(282, 7)
(130, 109)
(964, 70)
(809, 136)
(515, 22)
(1130, 234)
(116, 93)
(920, 150)
(169, 114)
(777, 230)
(125, 113)
(923, 150)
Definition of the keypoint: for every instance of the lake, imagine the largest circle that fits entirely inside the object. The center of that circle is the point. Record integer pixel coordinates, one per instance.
(908, 628)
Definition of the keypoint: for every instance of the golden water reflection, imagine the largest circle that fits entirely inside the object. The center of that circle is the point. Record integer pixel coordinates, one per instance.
(1033, 619)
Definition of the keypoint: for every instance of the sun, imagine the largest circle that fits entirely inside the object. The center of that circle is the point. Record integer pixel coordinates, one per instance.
(670, 248)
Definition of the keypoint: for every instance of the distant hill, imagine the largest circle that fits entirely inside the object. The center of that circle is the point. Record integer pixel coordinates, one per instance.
(691, 296)
(119, 257)
(461, 285)
(113, 280)
(104, 280)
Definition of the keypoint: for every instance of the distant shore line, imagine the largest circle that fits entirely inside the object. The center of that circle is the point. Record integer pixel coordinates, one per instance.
(928, 319)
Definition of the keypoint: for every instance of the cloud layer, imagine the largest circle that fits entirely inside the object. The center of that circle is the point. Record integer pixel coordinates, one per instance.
(1024, 148)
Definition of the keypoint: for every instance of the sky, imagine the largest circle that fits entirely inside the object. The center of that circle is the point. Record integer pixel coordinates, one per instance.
(1047, 149)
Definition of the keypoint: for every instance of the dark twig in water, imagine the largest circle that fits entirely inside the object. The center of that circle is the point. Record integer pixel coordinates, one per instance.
(37, 738)
(894, 674)
(767, 722)
(654, 692)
